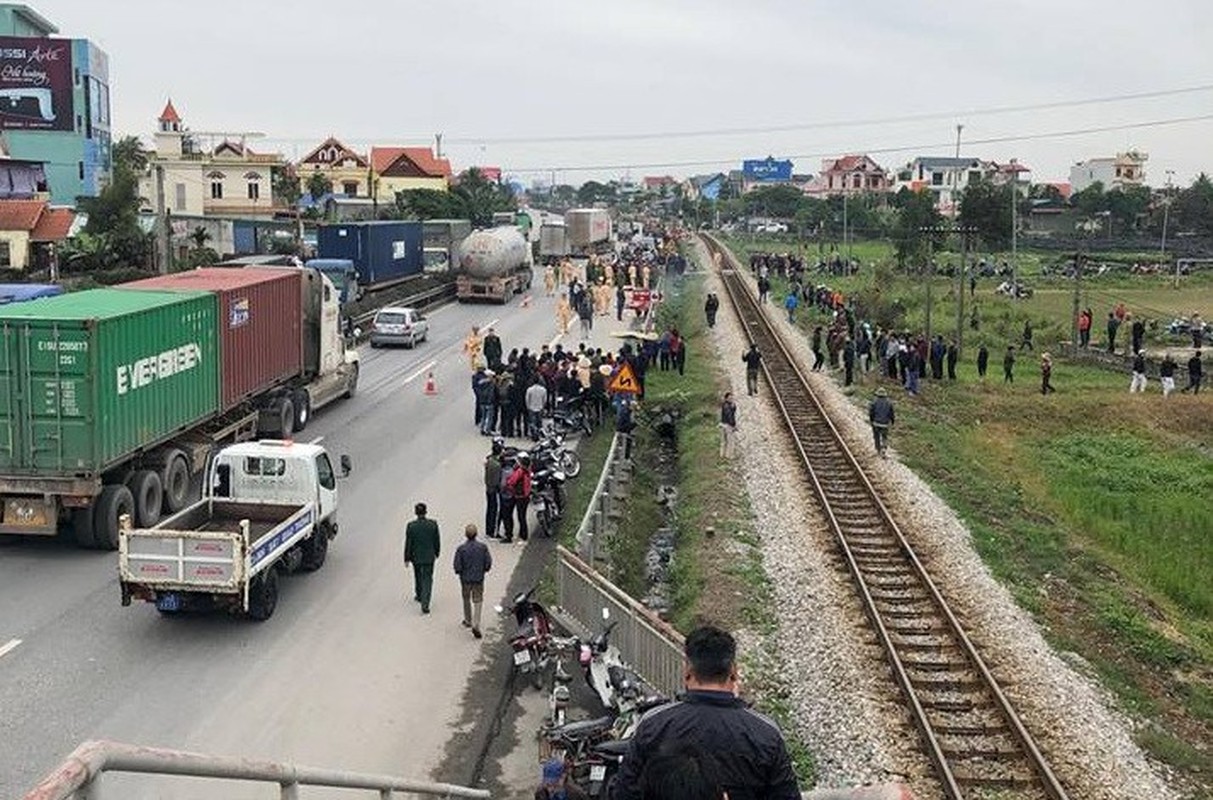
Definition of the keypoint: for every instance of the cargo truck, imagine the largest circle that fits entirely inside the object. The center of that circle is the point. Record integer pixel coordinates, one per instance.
(442, 238)
(589, 231)
(494, 264)
(384, 252)
(269, 507)
(114, 399)
(342, 273)
(553, 242)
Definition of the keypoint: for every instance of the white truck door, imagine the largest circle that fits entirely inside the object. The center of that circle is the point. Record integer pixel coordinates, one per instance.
(326, 485)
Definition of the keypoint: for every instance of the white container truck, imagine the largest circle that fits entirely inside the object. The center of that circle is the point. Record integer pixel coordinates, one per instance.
(270, 507)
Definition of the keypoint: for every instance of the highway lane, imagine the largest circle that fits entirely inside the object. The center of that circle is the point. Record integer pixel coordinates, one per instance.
(347, 673)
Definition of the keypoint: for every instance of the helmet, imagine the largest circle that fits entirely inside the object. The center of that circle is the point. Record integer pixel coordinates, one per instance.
(523, 457)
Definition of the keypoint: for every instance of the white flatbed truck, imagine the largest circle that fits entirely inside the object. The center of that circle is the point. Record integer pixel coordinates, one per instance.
(269, 507)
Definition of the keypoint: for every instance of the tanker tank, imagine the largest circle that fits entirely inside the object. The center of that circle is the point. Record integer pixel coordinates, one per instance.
(491, 253)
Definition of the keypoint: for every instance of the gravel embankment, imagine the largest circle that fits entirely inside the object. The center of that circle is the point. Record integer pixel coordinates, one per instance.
(846, 712)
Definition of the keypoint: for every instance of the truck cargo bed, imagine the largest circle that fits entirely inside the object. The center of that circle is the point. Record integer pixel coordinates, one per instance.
(224, 516)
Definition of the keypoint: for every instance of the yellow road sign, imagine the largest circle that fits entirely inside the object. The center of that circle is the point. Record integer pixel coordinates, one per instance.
(625, 381)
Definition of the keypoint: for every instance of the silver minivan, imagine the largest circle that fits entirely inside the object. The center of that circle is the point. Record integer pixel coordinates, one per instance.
(398, 325)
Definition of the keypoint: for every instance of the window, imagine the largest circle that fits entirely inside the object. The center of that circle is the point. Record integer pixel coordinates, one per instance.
(937, 179)
(6, 254)
(254, 190)
(256, 465)
(216, 190)
(80, 169)
(324, 472)
(350, 188)
(180, 204)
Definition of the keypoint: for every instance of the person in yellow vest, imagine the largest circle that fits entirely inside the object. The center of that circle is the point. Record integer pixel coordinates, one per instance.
(631, 274)
(602, 298)
(609, 272)
(566, 272)
(549, 280)
(472, 346)
(564, 314)
(646, 274)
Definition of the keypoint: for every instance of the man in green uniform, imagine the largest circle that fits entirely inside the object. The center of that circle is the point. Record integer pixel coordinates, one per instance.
(421, 549)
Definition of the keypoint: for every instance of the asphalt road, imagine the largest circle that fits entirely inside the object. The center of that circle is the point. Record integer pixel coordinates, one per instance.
(347, 674)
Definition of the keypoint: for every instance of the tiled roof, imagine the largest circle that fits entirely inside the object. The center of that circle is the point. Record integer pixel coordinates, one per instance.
(382, 158)
(54, 225)
(20, 215)
(332, 141)
(169, 114)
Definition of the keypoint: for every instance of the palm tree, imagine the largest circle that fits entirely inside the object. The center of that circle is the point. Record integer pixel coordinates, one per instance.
(199, 236)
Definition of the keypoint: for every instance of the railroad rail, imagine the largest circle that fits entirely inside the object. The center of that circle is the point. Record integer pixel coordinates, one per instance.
(968, 729)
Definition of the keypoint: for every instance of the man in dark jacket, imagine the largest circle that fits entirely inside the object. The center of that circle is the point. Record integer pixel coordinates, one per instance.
(746, 749)
(848, 362)
(472, 562)
(818, 357)
(492, 490)
(983, 360)
(710, 307)
(881, 417)
(1195, 373)
(421, 549)
(753, 360)
(952, 357)
(491, 347)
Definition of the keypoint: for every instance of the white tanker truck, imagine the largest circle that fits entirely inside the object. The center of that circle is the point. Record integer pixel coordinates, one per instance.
(494, 264)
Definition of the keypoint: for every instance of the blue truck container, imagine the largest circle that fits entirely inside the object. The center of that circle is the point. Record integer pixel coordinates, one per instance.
(382, 252)
(20, 292)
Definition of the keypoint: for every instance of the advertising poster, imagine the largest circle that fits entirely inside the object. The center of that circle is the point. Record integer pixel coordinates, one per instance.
(36, 84)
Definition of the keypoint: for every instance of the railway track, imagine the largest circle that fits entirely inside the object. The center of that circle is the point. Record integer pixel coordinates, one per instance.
(975, 741)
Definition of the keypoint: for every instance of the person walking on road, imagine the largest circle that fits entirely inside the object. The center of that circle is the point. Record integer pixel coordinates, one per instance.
(1046, 374)
(472, 346)
(536, 401)
(421, 549)
(753, 360)
(1166, 374)
(790, 303)
(518, 486)
(492, 350)
(710, 307)
(1138, 382)
(492, 489)
(1008, 365)
(764, 287)
(818, 357)
(1113, 327)
(881, 417)
(472, 562)
(746, 748)
(728, 426)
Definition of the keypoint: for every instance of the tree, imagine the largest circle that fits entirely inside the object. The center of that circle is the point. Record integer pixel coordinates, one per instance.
(285, 185)
(781, 201)
(430, 204)
(1091, 200)
(916, 212)
(592, 192)
(114, 214)
(130, 155)
(318, 185)
(987, 208)
(481, 197)
(1128, 205)
(1193, 207)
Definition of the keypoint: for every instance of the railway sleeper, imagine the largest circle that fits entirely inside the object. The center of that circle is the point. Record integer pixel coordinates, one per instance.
(985, 751)
(913, 594)
(1008, 780)
(902, 611)
(936, 684)
(888, 566)
(926, 627)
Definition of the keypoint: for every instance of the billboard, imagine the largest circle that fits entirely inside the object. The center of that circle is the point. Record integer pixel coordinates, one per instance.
(766, 169)
(36, 84)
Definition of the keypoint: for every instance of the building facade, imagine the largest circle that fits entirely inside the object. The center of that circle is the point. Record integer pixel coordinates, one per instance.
(349, 172)
(227, 180)
(1125, 169)
(944, 177)
(851, 174)
(30, 230)
(397, 169)
(57, 108)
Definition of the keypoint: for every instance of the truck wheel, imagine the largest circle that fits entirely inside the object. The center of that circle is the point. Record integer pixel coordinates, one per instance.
(303, 409)
(263, 595)
(82, 526)
(114, 501)
(352, 388)
(175, 480)
(315, 549)
(148, 492)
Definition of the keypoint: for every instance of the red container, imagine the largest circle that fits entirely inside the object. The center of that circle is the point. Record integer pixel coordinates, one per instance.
(260, 324)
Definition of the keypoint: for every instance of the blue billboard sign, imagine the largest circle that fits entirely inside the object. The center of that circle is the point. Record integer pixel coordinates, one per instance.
(766, 169)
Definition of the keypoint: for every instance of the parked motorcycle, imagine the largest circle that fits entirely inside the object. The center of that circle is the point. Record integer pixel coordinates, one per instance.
(532, 642)
(547, 498)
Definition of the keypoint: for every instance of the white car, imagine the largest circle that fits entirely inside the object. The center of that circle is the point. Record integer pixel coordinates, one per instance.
(774, 227)
(399, 325)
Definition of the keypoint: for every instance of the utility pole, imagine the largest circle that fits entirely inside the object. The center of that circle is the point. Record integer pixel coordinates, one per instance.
(845, 244)
(1014, 227)
(1079, 258)
(930, 276)
(1166, 218)
(956, 176)
(162, 223)
(964, 232)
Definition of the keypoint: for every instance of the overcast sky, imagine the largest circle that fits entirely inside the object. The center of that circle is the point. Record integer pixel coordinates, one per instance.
(494, 76)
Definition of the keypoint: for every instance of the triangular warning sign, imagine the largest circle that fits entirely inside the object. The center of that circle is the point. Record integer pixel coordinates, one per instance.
(625, 381)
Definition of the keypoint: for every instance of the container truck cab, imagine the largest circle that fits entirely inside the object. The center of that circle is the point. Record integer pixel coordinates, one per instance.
(270, 507)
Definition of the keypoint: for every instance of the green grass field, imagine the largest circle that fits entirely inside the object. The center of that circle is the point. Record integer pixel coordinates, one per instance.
(1094, 507)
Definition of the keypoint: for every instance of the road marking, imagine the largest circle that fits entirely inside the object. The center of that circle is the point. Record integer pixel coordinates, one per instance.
(489, 324)
(555, 339)
(317, 440)
(414, 376)
(12, 645)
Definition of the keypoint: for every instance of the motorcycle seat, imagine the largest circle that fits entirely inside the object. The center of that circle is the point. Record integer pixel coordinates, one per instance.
(623, 679)
(582, 727)
(613, 747)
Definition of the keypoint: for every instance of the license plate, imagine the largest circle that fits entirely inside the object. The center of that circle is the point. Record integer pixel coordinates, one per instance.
(598, 773)
(169, 601)
(522, 657)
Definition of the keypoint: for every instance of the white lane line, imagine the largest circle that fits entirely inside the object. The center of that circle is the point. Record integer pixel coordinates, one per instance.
(12, 645)
(317, 440)
(555, 339)
(489, 324)
(424, 368)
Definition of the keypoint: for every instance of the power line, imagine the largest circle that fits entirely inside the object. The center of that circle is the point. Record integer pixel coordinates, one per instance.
(880, 150)
(922, 117)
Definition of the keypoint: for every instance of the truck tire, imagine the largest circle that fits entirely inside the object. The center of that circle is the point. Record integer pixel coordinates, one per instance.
(82, 526)
(114, 501)
(303, 409)
(263, 595)
(175, 480)
(352, 388)
(284, 413)
(315, 549)
(148, 493)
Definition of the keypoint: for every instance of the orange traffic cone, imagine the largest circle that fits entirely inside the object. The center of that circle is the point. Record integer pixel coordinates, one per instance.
(431, 388)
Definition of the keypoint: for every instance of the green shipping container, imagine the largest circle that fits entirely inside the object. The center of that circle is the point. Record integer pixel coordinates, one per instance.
(87, 378)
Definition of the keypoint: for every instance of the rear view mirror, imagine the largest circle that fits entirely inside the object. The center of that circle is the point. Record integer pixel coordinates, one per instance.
(346, 465)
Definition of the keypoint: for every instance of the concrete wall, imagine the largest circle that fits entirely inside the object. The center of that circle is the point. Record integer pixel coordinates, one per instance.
(18, 249)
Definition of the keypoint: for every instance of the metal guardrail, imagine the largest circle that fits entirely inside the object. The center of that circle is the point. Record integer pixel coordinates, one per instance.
(79, 777)
(421, 300)
(646, 643)
(596, 521)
